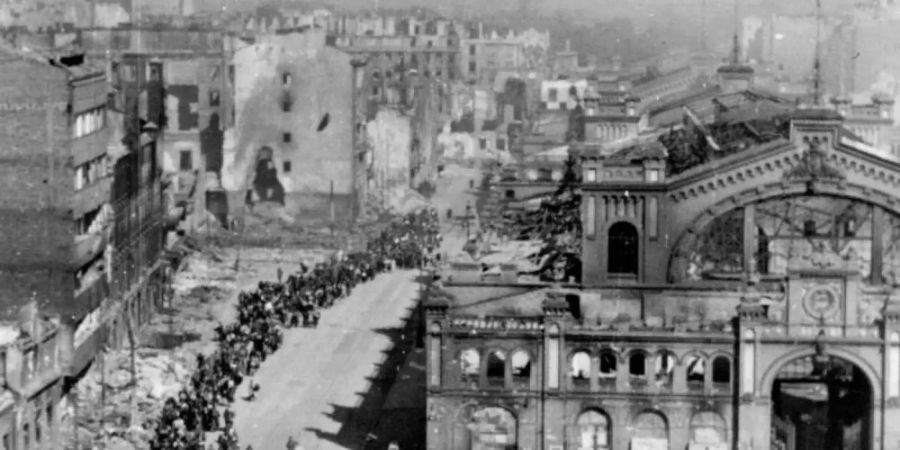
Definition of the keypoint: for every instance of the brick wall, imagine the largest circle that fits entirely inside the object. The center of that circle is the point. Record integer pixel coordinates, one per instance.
(36, 184)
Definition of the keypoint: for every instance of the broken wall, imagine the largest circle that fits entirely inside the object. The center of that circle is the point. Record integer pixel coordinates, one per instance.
(309, 141)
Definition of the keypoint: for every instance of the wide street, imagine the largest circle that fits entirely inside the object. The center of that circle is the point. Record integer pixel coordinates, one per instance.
(312, 387)
(327, 386)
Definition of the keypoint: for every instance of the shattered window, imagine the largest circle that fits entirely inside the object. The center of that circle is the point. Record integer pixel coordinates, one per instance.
(608, 366)
(696, 372)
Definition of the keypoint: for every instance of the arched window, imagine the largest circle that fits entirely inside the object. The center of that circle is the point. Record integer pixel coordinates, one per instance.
(665, 368)
(521, 368)
(581, 369)
(470, 365)
(708, 427)
(608, 366)
(623, 249)
(496, 368)
(593, 430)
(721, 370)
(696, 372)
(650, 428)
(637, 365)
(492, 428)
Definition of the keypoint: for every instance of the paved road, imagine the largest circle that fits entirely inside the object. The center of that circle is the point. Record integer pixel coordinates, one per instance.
(326, 386)
(311, 386)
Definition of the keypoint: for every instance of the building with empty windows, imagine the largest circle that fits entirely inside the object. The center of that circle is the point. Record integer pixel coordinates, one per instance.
(739, 291)
(300, 126)
(198, 107)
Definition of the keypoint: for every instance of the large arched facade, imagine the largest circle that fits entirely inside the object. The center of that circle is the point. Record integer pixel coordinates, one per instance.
(771, 233)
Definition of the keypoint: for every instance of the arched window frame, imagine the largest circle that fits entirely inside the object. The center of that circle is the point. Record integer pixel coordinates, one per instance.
(631, 271)
(522, 382)
(636, 430)
(664, 362)
(471, 377)
(634, 358)
(605, 373)
(715, 376)
(719, 425)
(494, 379)
(695, 382)
(580, 382)
(594, 429)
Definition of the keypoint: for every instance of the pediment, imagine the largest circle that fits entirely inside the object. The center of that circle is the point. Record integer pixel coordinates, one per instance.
(812, 156)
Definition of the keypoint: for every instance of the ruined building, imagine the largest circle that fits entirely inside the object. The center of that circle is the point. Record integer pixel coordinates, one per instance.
(300, 115)
(54, 215)
(198, 105)
(740, 290)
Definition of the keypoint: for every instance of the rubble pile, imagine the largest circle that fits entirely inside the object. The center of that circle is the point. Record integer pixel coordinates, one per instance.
(202, 293)
(261, 315)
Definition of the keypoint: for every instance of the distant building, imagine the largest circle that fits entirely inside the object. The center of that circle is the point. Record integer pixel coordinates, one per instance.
(199, 109)
(482, 54)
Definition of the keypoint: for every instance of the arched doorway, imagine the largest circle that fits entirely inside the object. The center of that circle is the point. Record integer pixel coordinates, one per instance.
(266, 184)
(592, 431)
(622, 251)
(821, 402)
(708, 430)
(649, 430)
(492, 428)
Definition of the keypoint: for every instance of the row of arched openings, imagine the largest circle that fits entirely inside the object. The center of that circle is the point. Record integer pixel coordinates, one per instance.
(641, 366)
(496, 367)
(493, 427)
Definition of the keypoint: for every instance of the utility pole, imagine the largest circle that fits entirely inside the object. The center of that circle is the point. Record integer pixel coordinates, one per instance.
(331, 207)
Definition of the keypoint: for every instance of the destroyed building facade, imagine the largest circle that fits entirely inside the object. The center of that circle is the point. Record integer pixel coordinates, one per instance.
(739, 291)
(56, 214)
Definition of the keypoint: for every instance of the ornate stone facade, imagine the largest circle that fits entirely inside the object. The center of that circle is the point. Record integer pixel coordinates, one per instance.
(738, 304)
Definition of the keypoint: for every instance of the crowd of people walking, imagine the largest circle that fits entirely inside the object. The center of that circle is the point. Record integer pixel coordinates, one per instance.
(408, 242)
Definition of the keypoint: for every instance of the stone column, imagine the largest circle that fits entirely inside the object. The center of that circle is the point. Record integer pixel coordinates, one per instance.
(749, 241)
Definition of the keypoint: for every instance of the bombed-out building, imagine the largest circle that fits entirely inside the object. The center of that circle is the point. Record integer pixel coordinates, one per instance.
(739, 290)
(300, 114)
(54, 214)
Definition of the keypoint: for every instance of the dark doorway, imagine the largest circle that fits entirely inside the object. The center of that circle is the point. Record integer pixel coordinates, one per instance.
(821, 403)
(266, 183)
(622, 252)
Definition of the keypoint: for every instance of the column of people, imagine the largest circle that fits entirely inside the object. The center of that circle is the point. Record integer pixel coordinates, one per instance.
(408, 242)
